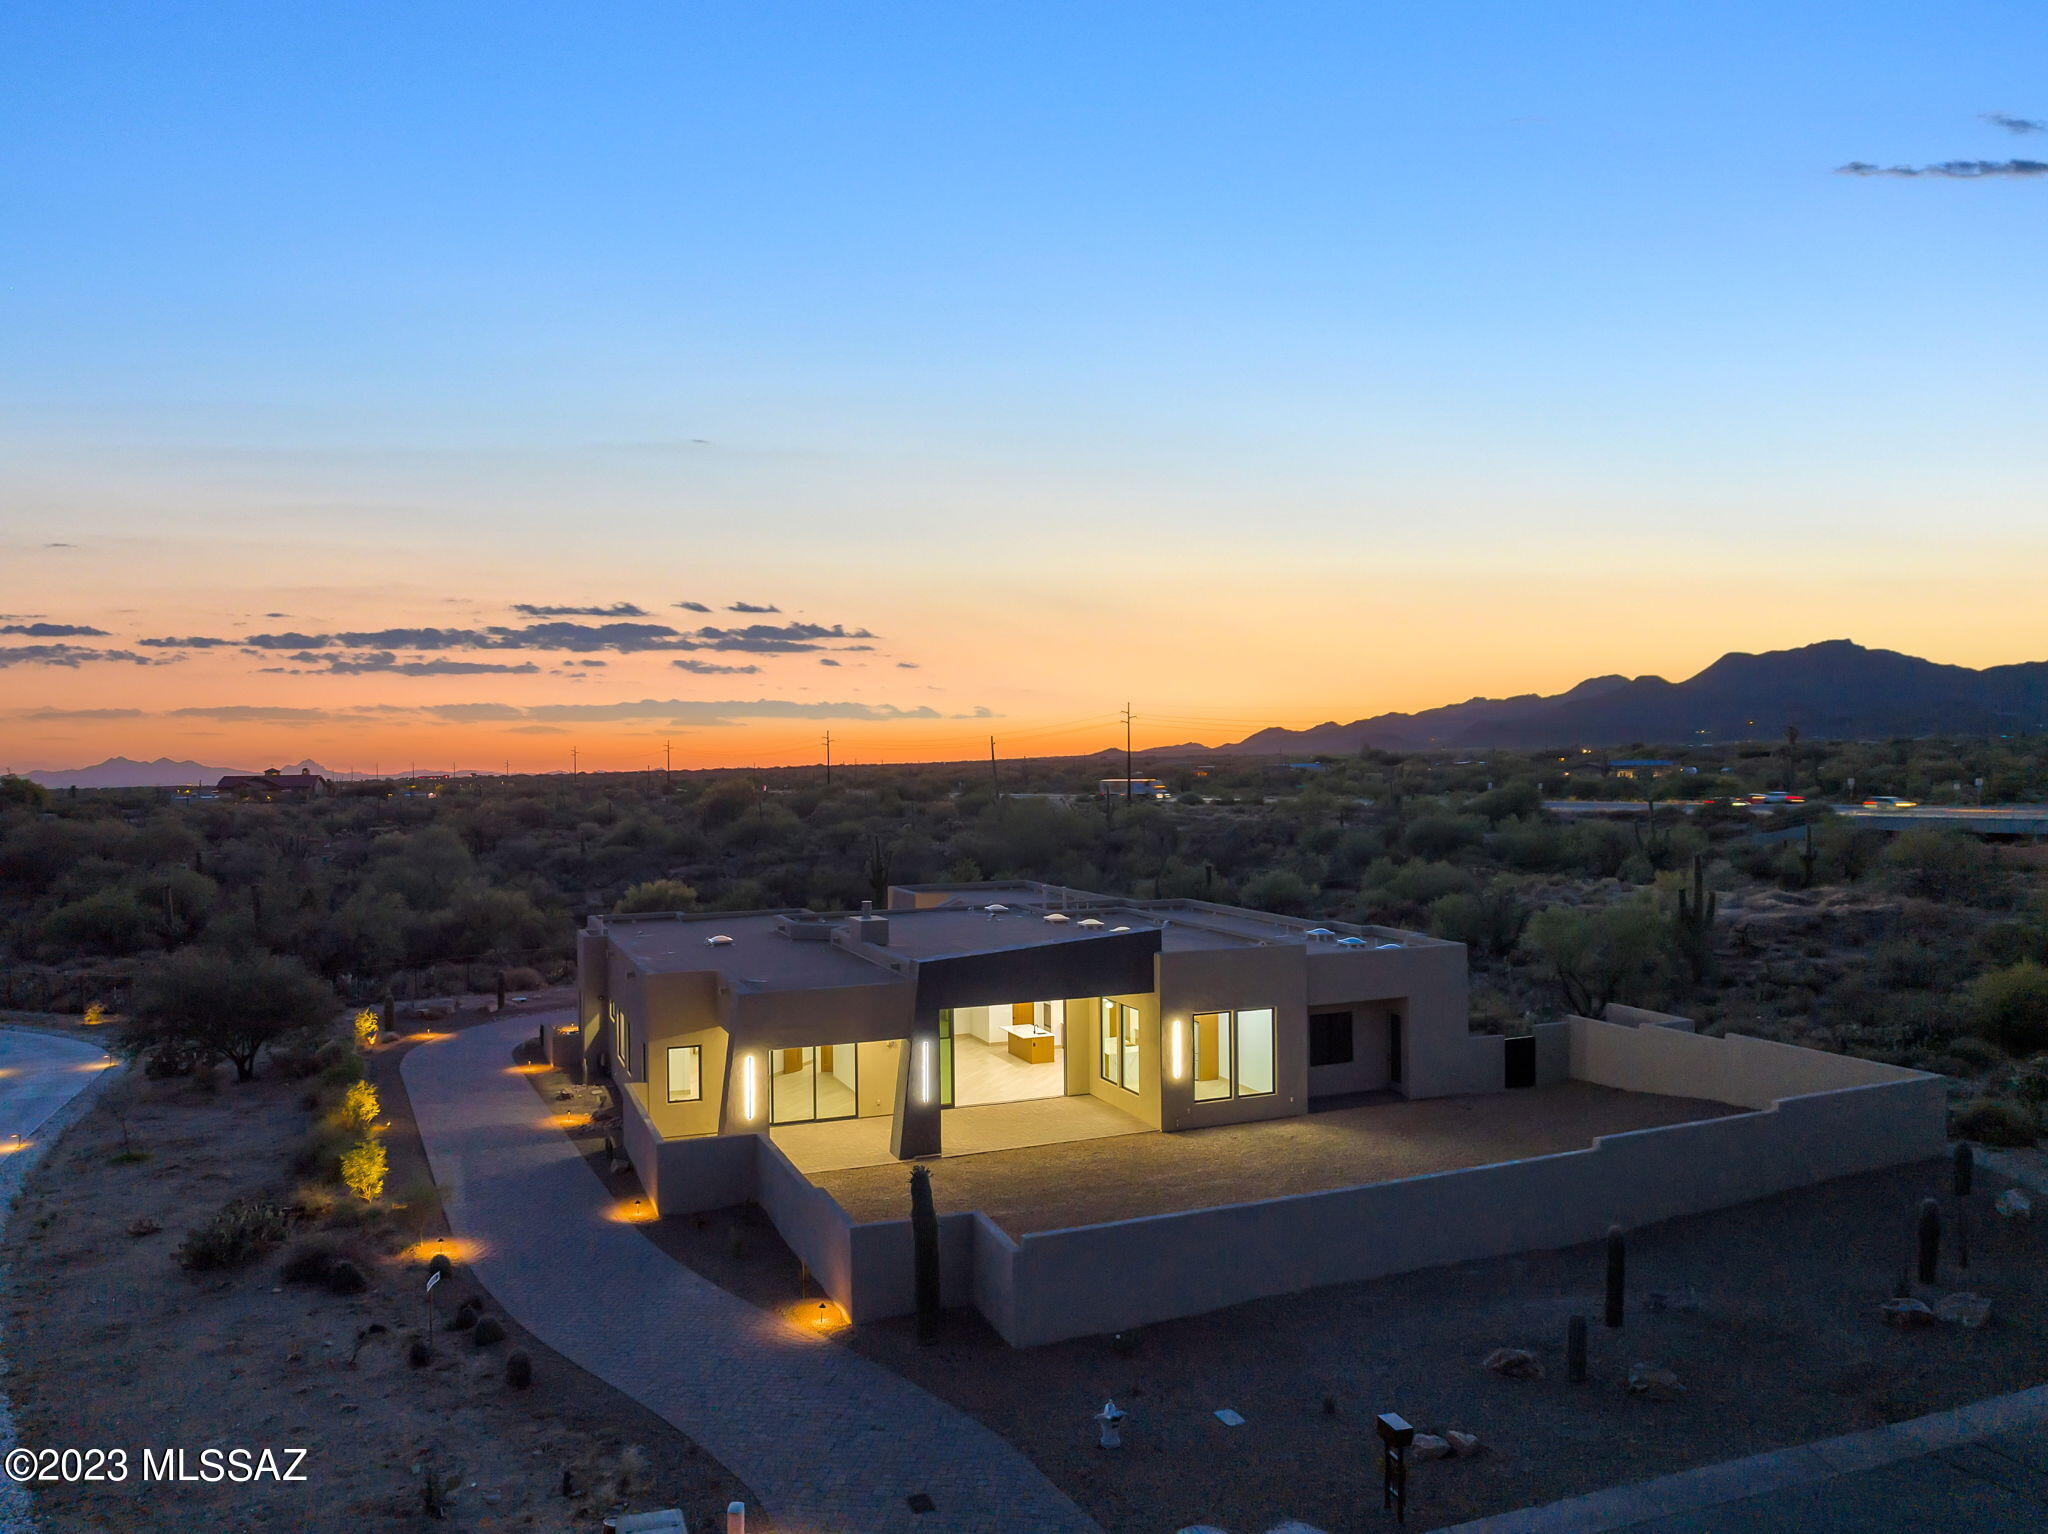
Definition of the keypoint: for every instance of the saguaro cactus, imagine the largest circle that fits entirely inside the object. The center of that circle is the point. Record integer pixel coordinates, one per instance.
(924, 1245)
(1617, 1274)
(1696, 910)
(1930, 1239)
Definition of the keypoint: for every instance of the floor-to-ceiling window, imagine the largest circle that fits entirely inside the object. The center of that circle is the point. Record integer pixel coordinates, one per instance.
(1120, 1051)
(1233, 1054)
(808, 1084)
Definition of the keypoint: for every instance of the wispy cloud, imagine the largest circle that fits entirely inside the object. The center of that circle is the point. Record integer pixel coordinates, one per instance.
(53, 715)
(1954, 170)
(712, 668)
(616, 610)
(383, 662)
(53, 631)
(2013, 124)
(752, 607)
(693, 607)
(191, 642)
(75, 655)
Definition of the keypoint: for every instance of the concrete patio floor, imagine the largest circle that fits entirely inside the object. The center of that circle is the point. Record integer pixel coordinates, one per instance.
(1084, 1182)
(846, 1144)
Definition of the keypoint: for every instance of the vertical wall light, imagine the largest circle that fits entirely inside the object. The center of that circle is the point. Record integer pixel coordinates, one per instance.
(750, 1087)
(924, 1072)
(1177, 1049)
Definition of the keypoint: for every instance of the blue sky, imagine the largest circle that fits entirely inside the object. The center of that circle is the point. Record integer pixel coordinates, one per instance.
(885, 310)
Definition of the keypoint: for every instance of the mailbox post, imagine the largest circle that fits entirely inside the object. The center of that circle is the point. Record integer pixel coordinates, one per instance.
(1395, 1437)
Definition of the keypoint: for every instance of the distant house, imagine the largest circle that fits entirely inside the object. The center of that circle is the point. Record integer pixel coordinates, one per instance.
(1644, 767)
(1133, 788)
(273, 784)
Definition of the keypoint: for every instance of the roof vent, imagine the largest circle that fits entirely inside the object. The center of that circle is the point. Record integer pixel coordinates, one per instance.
(1350, 942)
(1087, 921)
(1119, 929)
(1054, 916)
(719, 941)
(1320, 934)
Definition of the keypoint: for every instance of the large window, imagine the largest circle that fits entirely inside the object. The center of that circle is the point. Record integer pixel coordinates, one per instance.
(685, 1073)
(622, 1040)
(1329, 1039)
(1120, 1045)
(1233, 1054)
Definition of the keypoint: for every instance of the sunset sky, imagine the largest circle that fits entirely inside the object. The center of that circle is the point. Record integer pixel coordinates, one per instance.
(437, 383)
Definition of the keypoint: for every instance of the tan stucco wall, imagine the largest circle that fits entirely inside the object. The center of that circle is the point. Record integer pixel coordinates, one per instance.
(1142, 1104)
(1232, 980)
(1750, 1073)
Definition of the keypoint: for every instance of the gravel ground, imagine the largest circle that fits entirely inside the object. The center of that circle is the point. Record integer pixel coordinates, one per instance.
(1082, 1182)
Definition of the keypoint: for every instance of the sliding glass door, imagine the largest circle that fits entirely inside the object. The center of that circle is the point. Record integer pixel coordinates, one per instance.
(810, 1084)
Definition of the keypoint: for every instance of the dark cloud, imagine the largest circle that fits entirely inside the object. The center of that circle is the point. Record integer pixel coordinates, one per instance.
(773, 638)
(53, 631)
(590, 663)
(691, 711)
(190, 642)
(693, 607)
(616, 610)
(287, 641)
(1954, 170)
(826, 660)
(712, 668)
(2013, 124)
(75, 655)
(752, 607)
(906, 665)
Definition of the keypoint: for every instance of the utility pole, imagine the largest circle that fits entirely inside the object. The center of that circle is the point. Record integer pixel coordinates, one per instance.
(1127, 752)
(575, 762)
(828, 758)
(992, 761)
(668, 766)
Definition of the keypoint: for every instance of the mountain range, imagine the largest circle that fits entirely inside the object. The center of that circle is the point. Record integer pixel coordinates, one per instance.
(121, 772)
(1832, 690)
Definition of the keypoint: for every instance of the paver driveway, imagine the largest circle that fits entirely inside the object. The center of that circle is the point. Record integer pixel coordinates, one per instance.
(831, 1443)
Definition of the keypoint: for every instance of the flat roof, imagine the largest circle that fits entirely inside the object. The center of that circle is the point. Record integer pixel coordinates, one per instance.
(758, 954)
(944, 931)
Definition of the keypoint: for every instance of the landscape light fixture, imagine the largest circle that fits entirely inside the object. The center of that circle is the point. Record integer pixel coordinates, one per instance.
(750, 1089)
(924, 1072)
(1177, 1049)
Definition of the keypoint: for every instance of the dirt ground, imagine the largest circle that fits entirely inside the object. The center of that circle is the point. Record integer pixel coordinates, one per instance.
(111, 1344)
(1081, 1182)
(1785, 1347)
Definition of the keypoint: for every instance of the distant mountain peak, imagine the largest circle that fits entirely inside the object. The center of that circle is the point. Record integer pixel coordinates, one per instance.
(1831, 689)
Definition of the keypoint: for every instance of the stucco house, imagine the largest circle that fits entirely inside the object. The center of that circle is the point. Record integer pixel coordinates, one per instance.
(1180, 1014)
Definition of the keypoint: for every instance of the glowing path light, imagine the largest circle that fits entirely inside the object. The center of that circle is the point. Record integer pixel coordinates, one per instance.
(925, 1085)
(1177, 1056)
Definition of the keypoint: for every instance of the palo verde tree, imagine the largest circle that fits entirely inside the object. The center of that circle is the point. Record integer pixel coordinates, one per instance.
(208, 1001)
(1599, 956)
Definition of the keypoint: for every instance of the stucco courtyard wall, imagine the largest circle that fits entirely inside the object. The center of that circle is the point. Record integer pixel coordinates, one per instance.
(1814, 1117)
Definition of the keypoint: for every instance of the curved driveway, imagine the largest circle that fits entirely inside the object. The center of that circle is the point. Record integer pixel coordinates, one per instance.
(831, 1443)
(40, 1073)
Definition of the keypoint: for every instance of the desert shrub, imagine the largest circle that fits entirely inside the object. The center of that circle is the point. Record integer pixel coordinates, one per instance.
(243, 1230)
(95, 1015)
(654, 895)
(319, 1154)
(518, 1371)
(339, 1063)
(363, 1167)
(2010, 1007)
(1278, 889)
(310, 1262)
(419, 1353)
(1974, 1053)
(363, 1028)
(1995, 1121)
(1944, 866)
(358, 1109)
(521, 978)
(487, 1331)
(346, 1278)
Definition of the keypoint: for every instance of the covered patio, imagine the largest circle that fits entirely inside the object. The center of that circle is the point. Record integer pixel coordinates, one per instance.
(844, 1144)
